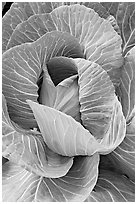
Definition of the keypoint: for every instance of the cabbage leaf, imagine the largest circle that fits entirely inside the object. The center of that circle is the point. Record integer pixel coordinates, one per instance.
(126, 90)
(99, 41)
(123, 156)
(68, 104)
(75, 186)
(63, 97)
(27, 149)
(24, 65)
(19, 13)
(68, 137)
(124, 13)
(63, 134)
(101, 112)
(112, 187)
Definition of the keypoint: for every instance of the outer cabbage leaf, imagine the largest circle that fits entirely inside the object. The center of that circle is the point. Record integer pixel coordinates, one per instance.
(101, 112)
(96, 35)
(21, 69)
(20, 12)
(101, 10)
(75, 186)
(112, 187)
(63, 134)
(126, 90)
(124, 12)
(31, 29)
(24, 65)
(28, 150)
(37, 25)
(100, 41)
(96, 6)
(123, 157)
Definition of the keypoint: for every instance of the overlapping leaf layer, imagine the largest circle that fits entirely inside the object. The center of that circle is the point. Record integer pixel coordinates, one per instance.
(28, 149)
(68, 83)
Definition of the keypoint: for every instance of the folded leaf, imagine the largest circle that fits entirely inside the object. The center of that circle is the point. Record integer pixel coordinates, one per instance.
(96, 6)
(124, 12)
(100, 41)
(101, 10)
(48, 90)
(101, 112)
(24, 64)
(63, 134)
(67, 100)
(21, 70)
(63, 97)
(60, 68)
(75, 186)
(20, 12)
(67, 137)
(126, 90)
(31, 29)
(123, 156)
(112, 187)
(28, 150)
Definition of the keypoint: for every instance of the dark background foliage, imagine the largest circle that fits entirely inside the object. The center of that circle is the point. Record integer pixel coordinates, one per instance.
(5, 7)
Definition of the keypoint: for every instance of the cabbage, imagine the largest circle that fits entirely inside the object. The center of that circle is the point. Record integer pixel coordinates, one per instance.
(68, 102)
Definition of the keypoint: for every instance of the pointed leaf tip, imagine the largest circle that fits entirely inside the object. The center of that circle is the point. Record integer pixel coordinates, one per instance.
(63, 134)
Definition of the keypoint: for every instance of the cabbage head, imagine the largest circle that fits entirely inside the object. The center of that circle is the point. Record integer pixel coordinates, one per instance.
(68, 102)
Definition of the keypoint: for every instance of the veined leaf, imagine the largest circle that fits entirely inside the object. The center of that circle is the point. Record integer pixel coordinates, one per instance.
(101, 10)
(21, 70)
(126, 90)
(123, 156)
(112, 187)
(101, 112)
(96, 35)
(48, 90)
(67, 100)
(122, 159)
(75, 186)
(96, 6)
(37, 25)
(63, 97)
(30, 151)
(124, 12)
(31, 29)
(100, 41)
(19, 13)
(67, 137)
(24, 65)
(63, 134)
